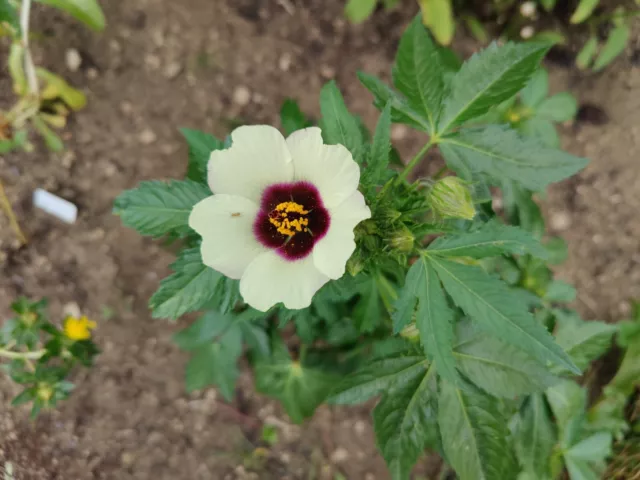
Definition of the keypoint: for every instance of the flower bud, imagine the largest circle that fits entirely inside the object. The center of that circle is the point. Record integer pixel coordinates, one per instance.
(44, 392)
(28, 318)
(402, 240)
(410, 332)
(451, 198)
(355, 264)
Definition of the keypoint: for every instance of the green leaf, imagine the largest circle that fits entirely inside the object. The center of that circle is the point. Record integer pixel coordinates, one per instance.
(438, 16)
(200, 147)
(548, 4)
(536, 89)
(567, 400)
(417, 73)
(613, 47)
(292, 118)
(558, 250)
(404, 422)
(216, 364)
(383, 94)
(300, 388)
(53, 141)
(157, 208)
(380, 150)
(593, 449)
(559, 108)
(491, 239)
(476, 28)
(340, 127)
(580, 470)
(358, 11)
(587, 52)
(498, 368)
(23, 397)
(490, 304)
(535, 437)
(584, 342)
(423, 295)
(8, 14)
(502, 153)
(86, 11)
(203, 330)
(584, 10)
(474, 433)
(488, 78)
(189, 288)
(540, 129)
(377, 377)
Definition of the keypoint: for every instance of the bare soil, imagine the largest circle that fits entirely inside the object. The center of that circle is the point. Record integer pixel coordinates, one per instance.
(209, 64)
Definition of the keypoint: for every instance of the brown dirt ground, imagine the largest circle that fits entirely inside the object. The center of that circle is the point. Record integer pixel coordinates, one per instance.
(161, 65)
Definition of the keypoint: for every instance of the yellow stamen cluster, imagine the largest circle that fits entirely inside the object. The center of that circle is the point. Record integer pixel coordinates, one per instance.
(286, 226)
(78, 328)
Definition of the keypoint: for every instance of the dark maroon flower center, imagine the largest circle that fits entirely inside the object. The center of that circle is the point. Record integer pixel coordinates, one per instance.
(292, 218)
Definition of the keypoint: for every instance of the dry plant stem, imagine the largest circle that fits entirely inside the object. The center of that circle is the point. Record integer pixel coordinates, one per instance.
(13, 221)
(29, 67)
(22, 355)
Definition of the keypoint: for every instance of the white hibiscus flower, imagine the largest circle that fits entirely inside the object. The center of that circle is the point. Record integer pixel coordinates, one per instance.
(282, 216)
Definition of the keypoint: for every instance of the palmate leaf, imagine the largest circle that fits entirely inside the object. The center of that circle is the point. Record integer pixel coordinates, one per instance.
(535, 437)
(423, 295)
(189, 288)
(201, 145)
(498, 368)
(492, 239)
(292, 118)
(380, 150)
(474, 433)
(300, 387)
(488, 78)
(157, 208)
(339, 125)
(383, 94)
(417, 73)
(490, 304)
(501, 153)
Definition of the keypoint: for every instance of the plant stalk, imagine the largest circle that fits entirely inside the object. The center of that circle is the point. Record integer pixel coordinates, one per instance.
(22, 355)
(29, 67)
(414, 161)
(13, 221)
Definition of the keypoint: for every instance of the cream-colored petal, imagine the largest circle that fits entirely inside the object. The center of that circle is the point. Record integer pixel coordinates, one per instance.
(225, 223)
(257, 158)
(330, 168)
(270, 279)
(331, 253)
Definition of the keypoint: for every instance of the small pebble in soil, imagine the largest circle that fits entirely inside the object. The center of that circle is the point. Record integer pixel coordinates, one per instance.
(147, 137)
(327, 72)
(360, 427)
(339, 455)
(560, 221)
(92, 73)
(241, 96)
(285, 62)
(399, 132)
(172, 70)
(527, 32)
(73, 59)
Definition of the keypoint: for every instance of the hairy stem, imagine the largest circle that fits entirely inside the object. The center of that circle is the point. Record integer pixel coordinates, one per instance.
(29, 67)
(414, 161)
(22, 355)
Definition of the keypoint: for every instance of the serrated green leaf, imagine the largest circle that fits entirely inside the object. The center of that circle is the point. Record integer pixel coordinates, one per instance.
(203, 330)
(189, 288)
(559, 291)
(383, 94)
(24, 397)
(540, 129)
(488, 78)
(536, 89)
(339, 125)
(404, 422)
(380, 150)
(501, 153)
(423, 296)
(584, 342)
(583, 11)
(378, 377)
(498, 368)
(8, 14)
(595, 448)
(157, 208)
(86, 11)
(417, 73)
(587, 52)
(474, 434)
(580, 470)
(535, 437)
(558, 250)
(491, 239)
(438, 16)
(292, 118)
(614, 46)
(358, 11)
(567, 400)
(559, 108)
(489, 303)
(216, 364)
(201, 145)
(300, 388)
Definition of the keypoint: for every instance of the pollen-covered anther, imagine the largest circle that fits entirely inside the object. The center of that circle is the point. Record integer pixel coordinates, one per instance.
(285, 224)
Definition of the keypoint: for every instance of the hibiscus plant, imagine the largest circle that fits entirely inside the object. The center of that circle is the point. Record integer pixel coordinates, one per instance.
(344, 276)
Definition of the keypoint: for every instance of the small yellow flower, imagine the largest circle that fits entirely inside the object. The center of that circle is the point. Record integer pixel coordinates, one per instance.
(45, 392)
(78, 328)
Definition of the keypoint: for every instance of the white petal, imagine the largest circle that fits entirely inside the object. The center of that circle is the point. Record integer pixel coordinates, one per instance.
(331, 253)
(225, 223)
(270, 279)
(257, 158)
(330, 168)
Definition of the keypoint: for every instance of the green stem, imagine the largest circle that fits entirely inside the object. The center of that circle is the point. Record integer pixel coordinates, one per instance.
(414, 161)
(22, 355)
(440, 173)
